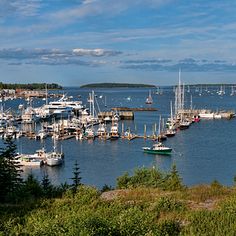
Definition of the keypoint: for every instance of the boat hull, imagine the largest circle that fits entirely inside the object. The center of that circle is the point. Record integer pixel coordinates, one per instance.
(54, 161)
(160, 152)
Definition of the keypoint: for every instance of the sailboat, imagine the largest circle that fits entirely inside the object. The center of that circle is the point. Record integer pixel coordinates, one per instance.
(54, 158)
(149, 98)
(232, 91)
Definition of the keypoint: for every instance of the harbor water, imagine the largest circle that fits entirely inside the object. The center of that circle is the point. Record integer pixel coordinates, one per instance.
(202, 153)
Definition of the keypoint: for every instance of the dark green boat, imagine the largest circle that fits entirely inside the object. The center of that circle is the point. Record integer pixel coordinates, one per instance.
(158, 148)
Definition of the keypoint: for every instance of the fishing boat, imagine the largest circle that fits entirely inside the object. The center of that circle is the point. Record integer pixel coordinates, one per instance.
(158, 148)
(114, 134)
(149, 99)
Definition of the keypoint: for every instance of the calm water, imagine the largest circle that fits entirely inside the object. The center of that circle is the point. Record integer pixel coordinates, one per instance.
(203, 153)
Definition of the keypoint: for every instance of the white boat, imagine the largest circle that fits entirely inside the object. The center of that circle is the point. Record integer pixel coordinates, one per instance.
(89, 133)
(101, 132)
(158, 148)
(36, 159)
(54, 158)
(27, 160)
(170, 132)
(114, 133)
(206, 115)
(149, 99)
(60, 109)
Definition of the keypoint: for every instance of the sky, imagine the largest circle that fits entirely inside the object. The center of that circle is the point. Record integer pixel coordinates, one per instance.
(75, 42)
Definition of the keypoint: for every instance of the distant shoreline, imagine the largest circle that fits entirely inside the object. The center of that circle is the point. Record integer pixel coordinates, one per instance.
(117, 85)
(31, 86)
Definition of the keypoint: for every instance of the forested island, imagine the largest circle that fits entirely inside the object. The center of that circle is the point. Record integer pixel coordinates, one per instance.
(30, 86)
(148, 202)
(117, 85)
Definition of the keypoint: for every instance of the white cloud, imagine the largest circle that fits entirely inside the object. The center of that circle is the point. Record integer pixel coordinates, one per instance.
(23, 8)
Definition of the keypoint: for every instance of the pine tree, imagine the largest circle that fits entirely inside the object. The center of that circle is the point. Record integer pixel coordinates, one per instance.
(47, 186)
(76, 179)
(173, 181)
(32, 186)
(10, 178)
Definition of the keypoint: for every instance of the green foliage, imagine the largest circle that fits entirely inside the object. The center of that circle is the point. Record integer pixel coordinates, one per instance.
(76, 178)
(151, 178)
(32, 187)
(117, 85)
(215, 184)
(29, 86)
(169, 204)
(106, 188)
(169, 228)
(173, 181)
(10, 179)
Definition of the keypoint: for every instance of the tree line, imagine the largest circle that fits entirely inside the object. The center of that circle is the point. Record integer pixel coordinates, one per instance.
(117, 85)
(30, 86)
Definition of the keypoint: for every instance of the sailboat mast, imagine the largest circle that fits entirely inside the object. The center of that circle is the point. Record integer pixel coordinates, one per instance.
(93, 103)
(46, 90)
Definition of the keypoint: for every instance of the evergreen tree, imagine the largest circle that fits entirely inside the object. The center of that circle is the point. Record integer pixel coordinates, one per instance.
(32, 187)
(10, 179)
(76, 179)
(173, 180)
(47, 186)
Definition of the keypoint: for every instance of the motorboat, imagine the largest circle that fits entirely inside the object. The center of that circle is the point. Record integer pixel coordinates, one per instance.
(158, 148)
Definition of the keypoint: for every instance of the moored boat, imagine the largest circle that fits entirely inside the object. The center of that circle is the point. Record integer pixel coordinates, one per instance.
(170, 132)
(54, 158)
(158, 148)
(149, 99)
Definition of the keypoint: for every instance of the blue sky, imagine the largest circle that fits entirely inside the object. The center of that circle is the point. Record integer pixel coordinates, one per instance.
(73, 42)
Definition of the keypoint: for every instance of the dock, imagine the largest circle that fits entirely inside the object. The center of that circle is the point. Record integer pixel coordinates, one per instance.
(124, 115)
(134, 109)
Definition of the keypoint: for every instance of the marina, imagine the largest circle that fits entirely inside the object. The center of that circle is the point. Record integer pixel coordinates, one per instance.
(106, 142)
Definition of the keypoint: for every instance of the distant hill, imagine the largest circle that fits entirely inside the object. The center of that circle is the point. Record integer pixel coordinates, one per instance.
(117, 85)
(30, 86)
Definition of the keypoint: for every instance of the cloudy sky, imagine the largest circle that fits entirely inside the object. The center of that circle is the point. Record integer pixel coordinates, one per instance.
(73, 42)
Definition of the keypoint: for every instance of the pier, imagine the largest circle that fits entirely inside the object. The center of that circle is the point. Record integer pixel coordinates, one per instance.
(124, 115)
(134, 109)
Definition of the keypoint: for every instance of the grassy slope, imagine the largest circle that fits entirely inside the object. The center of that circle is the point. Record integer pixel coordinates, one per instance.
(201, 210)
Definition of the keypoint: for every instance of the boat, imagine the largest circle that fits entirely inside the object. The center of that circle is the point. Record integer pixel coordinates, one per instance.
(89, 133)
(114, 134)
(149, 99)
(28, 160)
(184, 125)
(204, 114)
(36, 159)
(158, 148)
(170, 133)
(196, 119)
(54, 158)
(101, 131)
